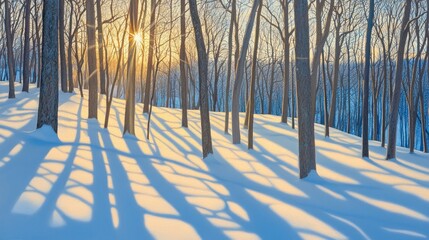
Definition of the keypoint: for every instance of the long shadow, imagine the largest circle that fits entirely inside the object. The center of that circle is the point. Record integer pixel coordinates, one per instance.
(257, 211)
(130, 215)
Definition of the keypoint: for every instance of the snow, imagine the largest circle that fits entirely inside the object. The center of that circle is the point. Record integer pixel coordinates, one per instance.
(91, 183)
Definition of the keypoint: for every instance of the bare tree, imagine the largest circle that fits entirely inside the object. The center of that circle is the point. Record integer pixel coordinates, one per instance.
(63, 64)
(48, 102)
(203, 75)
(92, 60)
(100, 42)
(365, 148)
(251, 109)
(232, 23)
(307, 154)
(183, 77)
(239, 75)
(130, 105)
(152, 27)
(26, 62)
(9, 46)
(394, 106)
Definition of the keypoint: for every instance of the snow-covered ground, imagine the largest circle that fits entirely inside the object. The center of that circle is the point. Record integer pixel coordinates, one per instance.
(90, 183)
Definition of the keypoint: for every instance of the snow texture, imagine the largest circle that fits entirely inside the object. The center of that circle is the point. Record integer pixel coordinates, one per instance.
(91, 183)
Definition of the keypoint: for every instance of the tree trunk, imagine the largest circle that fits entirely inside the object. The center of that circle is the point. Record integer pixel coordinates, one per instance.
(62, 47)
(203, 75)
(109, 96)
(365, 105)
(349, 108)
(130, 95)
(251, 108)
(333, 108)
(150, 56)
(9, 45)
(100, 48)
(307, 154)
(69, 50)
(293, 98)
(48, 102)
(183, 78)
(26, 65)
(286, 53)
(240, 74)
(39, 48)
(229, 71)
(92, 60)
(325, 97)
(168, 90)
(394, 106)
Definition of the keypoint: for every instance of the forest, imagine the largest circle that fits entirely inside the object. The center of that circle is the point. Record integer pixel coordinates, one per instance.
(335, 74)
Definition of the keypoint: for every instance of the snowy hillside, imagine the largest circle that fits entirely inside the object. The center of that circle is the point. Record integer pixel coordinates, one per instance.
(94, 184)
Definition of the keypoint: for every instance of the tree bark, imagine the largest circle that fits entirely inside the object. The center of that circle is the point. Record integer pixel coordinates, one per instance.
(229, 71)
(394, 106)
(150, 56)
(130, 104)
(251, 108)
(203, 75)
(92, 60)
(286, 52)
(9, 46)
(365, 127)
(26, 62)
(307, 154)
(64, 87)
(183, 78)
(325, 97)
(100, 40)
(239, 75)
(48, 102)
(337, 56)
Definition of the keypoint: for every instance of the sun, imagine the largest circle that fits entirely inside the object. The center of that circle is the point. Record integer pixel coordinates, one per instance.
(138, 38)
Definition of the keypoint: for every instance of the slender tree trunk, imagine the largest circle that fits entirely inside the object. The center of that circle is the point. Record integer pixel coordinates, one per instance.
(92, 60)
(26, 65)
(307, 154)
(383, 114)
(48, 102)
(150, 56)
(240, 74)
(325, 96)
(365, 105)
(333, 108)
(321, 37)
(423, 118)
(349, 107)
(9, 46)
(69, 50)
(130, 95)
(229, 71)
(251, 108)
(100, 40)
(286, 53)
(183, 78)
(203, 75)
(422, 97)
(62, 47)
(271, 89)
(39, 48)
(394, 106)
(168, 95)
(293, 98)
(109, 97)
